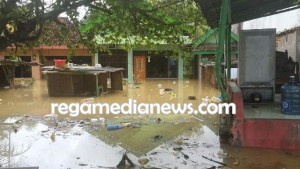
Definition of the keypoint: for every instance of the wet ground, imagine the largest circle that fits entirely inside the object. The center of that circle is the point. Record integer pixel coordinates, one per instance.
(152, 141)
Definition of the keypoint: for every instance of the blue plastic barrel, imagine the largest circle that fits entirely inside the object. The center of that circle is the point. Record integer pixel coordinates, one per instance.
(113, 126)
(290, 97)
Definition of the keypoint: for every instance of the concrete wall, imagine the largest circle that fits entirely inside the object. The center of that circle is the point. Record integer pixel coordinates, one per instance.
(288, 42)
(297, 45)
(257, 56)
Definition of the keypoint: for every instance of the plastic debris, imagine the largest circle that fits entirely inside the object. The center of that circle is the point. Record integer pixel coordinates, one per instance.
(159, 85)
(52, 137)
(172, 95)
(50, 115)
(94, 120)
(0, 100)
(168, 89)
(236, 162)
(123, 162)
(88, 100)
(6, 87)
(12, 120)
(143, 161)
(192, 97)
(113, 126)
(174, 82)
(102, 121)
(161, 92)
(158, 137)
(126, 124)
(215, 100)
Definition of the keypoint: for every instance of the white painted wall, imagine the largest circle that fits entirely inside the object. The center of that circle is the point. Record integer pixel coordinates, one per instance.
(287, 42)
(281, 22)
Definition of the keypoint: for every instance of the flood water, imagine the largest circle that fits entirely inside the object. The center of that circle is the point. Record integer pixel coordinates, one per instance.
(173, 141)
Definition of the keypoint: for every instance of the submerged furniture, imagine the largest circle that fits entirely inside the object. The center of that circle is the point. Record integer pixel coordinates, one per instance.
(76, 82)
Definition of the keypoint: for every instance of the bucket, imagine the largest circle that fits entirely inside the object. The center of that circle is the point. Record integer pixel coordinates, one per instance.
(59, 63)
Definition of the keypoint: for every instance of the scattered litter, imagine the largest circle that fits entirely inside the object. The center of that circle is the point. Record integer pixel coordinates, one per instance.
(158, 120)
(116, 117)
(113, 126)
(6, 87)
(52, 115)
(168, 90)
(221, 163)
(205, 99)
(123, 161)
(102, 121)
(53, 136)
(187, 82)
(158, 137)
(0, 100)
(143, 161)
(13, 120)
(196, 118)
(88, 100)
(159, 85)
(215, 99)
(126, 124)
(135, 125)
(82, 165)
(192, 97)
(185, 156)
(172, 95)
(207, 145)
(174, 82)
(222, 154)
(177, 148)
(161, 92)
(236, 162)
(70, 121)
(94, 120)
(44, 131)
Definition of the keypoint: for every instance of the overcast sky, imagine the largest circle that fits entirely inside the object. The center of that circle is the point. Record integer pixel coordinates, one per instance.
(280, 21)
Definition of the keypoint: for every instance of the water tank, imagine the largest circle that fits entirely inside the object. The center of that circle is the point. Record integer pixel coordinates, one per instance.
(290, 97)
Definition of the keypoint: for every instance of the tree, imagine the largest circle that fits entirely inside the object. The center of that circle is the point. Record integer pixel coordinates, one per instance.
(22, 21)
(147, 21)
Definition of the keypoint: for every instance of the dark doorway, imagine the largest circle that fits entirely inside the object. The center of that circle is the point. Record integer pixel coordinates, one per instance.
(22, 71)
(161, 67)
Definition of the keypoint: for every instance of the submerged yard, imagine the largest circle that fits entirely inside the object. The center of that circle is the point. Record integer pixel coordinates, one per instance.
(152, 141)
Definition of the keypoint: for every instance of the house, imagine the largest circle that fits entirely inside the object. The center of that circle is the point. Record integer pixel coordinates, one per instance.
(58, 36)
(205, 49)
(289, 41)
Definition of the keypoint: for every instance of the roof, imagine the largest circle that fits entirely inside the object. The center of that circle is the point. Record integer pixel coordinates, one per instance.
(288, 31)
(202, 39)
(243, 10)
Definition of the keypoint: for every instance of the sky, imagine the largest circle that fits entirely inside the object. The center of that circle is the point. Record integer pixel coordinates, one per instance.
(281, 22)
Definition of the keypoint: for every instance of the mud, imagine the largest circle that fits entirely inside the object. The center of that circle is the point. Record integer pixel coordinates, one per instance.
(176, 141)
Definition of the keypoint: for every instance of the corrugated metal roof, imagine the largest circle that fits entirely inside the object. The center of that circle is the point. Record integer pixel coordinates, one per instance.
(243, 10)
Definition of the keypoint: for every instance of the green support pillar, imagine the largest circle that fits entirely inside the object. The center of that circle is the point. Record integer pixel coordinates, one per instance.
(130, 66)
(180, 66)
(228, 53)
(221, 43)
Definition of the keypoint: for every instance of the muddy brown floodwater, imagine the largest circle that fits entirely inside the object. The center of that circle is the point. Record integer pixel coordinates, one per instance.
(173, 141)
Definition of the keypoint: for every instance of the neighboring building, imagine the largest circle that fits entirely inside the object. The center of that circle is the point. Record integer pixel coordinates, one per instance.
(140, 63)
(44, 55)
(289, 41)
(58, 36)
(205, 49)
